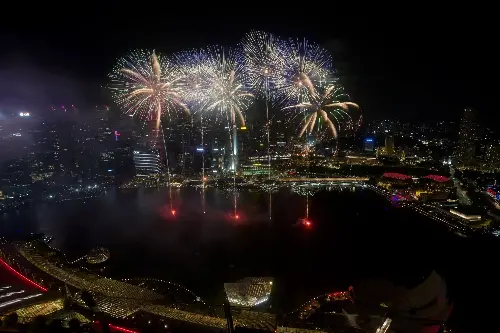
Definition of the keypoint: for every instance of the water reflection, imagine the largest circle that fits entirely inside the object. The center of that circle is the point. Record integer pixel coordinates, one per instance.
(202, 246)
(203, 199)
(148, 206)
(270, 200)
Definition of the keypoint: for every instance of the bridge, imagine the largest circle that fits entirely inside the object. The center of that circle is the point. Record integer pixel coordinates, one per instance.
(120, 299)
(325, 180)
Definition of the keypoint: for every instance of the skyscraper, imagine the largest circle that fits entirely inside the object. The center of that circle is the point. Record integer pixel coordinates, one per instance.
(389, 145)
(369, 145)
(147, 162)
(492, 160)
(467, 138)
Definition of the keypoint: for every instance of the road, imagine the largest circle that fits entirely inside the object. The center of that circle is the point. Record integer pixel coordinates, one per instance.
(324, 180)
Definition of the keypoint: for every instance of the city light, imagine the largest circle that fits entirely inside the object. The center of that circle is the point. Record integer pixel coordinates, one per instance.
(22, 277)
(24, 114)
(118, 328)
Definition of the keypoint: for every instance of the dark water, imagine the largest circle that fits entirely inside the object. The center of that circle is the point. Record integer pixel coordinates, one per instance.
(354, 234)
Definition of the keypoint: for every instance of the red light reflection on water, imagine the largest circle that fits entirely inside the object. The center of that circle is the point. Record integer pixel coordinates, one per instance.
(305, 222)
(167, 213)
(233, 217)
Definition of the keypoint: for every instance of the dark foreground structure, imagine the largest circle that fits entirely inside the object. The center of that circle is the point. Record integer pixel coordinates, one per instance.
(58, 297)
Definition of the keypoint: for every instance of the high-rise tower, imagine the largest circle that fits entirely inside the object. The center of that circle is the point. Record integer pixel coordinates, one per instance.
(389, 145)
(465, 153)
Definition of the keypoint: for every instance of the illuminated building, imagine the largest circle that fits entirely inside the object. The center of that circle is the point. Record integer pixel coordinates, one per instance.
(493, 191)
(217, 158)
(369, 145)
(244, 141)
(147, 162)
(493, 157)
(466, 213)
(255, 169)
(181, 137)
(362, 159)
(467, 138)
(27, 312)
(98, 255)
(250, 291)
(430, 187)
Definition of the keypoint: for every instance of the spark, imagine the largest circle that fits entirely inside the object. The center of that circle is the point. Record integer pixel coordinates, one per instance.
(227, 95)
(262, 65)
(147, 84)
(301, 69)
(214, 84)
(261, 61)
(195, 66)
(329, 105)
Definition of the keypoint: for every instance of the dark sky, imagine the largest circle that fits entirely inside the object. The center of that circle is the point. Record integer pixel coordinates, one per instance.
(408, 66)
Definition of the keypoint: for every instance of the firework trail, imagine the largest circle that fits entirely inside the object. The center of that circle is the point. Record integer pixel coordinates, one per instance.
(221, 91)
(213, 85)
(148, 85)
(328, 105)
(195, 66)
(262, 65)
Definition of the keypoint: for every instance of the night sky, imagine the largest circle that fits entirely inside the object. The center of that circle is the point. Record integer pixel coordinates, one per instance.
(419, 68)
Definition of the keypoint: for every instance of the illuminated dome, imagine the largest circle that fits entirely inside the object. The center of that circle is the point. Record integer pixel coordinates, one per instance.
(98, 255)
(250, 291)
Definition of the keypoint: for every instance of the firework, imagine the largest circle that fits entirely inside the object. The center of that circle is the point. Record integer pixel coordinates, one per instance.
(302, 68)
(262, 63)
(326, 106)
(227, 96)
(195, 66)
(147, 84)
(262, 69)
